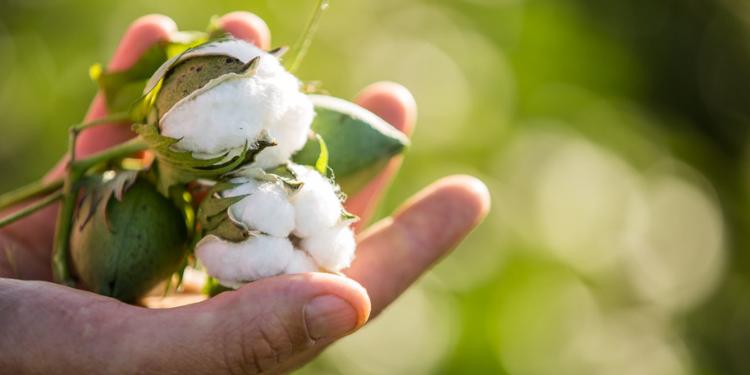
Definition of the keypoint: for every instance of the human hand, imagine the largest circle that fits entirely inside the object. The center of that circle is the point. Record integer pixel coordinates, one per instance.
(269, 326)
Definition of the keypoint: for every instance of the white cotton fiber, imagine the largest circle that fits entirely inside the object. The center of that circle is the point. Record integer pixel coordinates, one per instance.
(290, 137)
(233, 110)
(332, 248)
(214, 121)
(265, 208)
(301, 263)
(244, 186)
(255, 258)
(316, 204)
(220, 258)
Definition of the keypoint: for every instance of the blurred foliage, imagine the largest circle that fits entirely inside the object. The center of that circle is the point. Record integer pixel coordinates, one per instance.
(613, 136)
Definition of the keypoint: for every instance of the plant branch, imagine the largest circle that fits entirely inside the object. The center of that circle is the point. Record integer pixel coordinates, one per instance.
(115, 117)
(41, 187)
(75, 130)
(29, 191)
(122, 150)
(303, 43)
(30, 209)
(61, 247)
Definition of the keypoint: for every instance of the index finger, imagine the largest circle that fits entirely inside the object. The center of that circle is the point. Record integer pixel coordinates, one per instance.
(141, 35)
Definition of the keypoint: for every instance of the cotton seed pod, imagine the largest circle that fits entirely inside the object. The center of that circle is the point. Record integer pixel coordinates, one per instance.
(225, 95)
(124, 247)
(303, 210)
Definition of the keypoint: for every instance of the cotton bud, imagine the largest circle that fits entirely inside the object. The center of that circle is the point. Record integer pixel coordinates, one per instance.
(226, 95)
(302, 210)
(126, 238)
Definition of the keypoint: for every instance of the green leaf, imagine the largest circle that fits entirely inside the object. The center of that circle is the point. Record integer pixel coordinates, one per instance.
(183, 41)
(215, 217)
(123, 88)
(347, 216)
(99, 189)
(322, 163)
(213, 288)
(175, 167)
(359, 143)
(183, 200)
(282, 174)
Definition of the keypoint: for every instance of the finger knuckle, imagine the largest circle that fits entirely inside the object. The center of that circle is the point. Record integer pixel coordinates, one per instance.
(266, 345)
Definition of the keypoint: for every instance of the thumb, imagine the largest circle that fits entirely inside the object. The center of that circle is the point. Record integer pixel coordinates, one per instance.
(268, 326)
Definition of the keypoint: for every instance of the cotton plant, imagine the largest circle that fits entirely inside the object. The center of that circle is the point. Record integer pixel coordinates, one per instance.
(232, 172)
(219, 106)
(216, 100)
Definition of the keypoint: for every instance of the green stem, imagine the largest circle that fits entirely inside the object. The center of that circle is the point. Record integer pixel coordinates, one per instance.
(75, 130)
(122, 150)
(303, 43)
(30, 209)
(29, 191)
(114, 117)
(41, 187)
(38, 188)
(61, 247)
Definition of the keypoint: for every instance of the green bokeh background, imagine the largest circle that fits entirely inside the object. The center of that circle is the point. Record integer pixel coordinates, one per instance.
(612, 135)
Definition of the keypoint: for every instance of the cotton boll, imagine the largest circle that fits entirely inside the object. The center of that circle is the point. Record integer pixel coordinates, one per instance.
(316, 204)
(282, 91)
(231, 110)
(332, 248)
(255, 258)
(223, 117)
(290, 133)
(220, 258)
(301, 263)
(266, 208)
(267, 256)
(244, 186)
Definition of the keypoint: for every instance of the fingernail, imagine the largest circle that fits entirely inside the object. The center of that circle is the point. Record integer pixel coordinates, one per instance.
(329, 317)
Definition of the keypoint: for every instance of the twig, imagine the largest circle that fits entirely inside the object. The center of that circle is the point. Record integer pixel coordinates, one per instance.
(303, 43)
(29, 191)
(30, 209)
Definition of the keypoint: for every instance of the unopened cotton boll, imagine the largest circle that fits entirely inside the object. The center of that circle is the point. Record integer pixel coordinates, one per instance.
(265, 208)
(234, 109)
(332, 248)
(316, 204)
(235, 263)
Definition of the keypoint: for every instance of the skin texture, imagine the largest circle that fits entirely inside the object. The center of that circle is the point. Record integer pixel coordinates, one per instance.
(270, 326)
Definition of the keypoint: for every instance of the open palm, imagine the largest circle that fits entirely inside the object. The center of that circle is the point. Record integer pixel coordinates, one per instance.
(269, 326)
